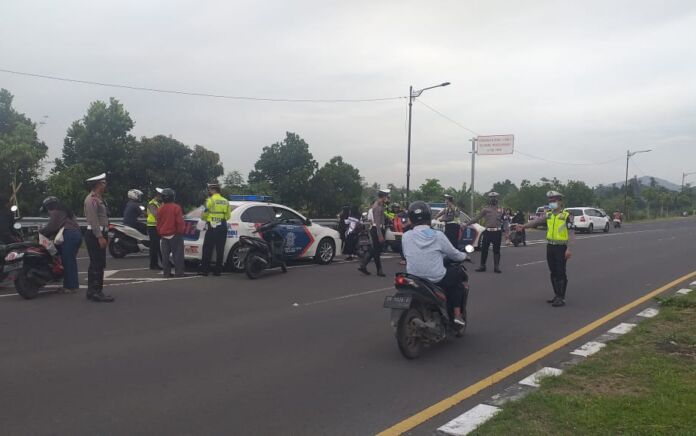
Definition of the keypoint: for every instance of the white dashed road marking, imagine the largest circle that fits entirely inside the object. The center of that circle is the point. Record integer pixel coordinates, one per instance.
(589, 349)
(622, 328)
(469, 421)
(534, 379)
(649, 312)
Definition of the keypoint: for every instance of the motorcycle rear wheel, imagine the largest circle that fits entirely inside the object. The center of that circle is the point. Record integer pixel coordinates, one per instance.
(254, 267)
(409, 344)
(116, 250)
(26, 287)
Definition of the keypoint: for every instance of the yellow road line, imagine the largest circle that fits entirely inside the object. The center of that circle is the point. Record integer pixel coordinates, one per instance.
(438, 408)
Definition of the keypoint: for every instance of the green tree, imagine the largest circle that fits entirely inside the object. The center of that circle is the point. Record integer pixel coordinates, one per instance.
(431, 191)
(287, 167)
(505, 188)
(334, 185)
(21, 155)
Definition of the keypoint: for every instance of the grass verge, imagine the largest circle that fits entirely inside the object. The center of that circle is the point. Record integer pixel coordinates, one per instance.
(644, 383)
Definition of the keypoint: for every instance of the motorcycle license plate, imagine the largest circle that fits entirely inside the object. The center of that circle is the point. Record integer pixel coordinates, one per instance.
(13, 266)
(397, 301)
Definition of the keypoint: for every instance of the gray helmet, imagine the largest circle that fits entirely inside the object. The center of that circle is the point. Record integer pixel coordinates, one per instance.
(168, 195)
(47, 204)
(419, 213)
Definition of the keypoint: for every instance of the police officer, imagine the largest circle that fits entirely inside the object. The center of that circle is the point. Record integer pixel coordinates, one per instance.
(492, 216)
(96, 238)
(558, 237)
(215, 214)
(376, 233)
(152, 207)
(450, 216)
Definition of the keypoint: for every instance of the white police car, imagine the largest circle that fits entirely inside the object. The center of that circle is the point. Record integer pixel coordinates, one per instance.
(303, 239)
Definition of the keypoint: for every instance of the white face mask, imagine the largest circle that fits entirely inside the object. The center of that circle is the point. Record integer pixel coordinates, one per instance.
(553, 205)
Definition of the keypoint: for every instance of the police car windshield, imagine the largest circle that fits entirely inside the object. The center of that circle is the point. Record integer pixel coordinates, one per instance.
(196, 213)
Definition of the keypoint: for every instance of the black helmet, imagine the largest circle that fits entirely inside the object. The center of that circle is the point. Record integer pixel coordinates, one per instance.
(168, 195)
(419, 213)
(47, 203)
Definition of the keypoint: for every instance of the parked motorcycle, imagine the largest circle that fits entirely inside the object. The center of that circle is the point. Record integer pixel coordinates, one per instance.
(268, 251)
(32, 266)
(125, 240)
(419, 313)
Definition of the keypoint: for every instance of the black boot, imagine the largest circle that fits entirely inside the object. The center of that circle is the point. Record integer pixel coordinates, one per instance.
(496, 263)
(99, 296)
(554, 285)
(380, 273)
(363, 265)
(484, 258)
(91, 284)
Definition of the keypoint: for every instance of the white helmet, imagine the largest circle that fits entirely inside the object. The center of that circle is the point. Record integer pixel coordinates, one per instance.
(135, 194)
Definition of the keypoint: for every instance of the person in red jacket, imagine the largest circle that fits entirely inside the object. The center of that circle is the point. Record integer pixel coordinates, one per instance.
(170, 226)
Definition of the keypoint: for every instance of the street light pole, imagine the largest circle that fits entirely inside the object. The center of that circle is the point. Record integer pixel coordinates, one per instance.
(684, 175)
(412, 96)
(473, 169)
(629, 154)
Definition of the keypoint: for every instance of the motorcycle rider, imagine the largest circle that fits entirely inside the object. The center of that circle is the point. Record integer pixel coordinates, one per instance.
(518, 220)
(133, 211)
(152, 207)
(96, 238)
(425, 250)
(492, 216)
(216, 214)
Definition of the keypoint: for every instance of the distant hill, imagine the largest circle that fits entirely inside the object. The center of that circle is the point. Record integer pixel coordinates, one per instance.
(645, 181)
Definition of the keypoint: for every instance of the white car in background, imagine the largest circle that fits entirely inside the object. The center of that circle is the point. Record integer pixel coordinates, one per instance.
(589, 219)
(303, 238)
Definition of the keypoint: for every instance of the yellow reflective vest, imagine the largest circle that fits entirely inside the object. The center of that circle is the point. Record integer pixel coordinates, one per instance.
(557, 225)
(152, 219)
(217, 210)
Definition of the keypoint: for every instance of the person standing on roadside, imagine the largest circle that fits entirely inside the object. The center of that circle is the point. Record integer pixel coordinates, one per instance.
(152, 208)
(558, 237)
(215, 214)
(170, 226)
(450, 216)
(376, 233)
(492, 216)
(96, 238)
(61, 217)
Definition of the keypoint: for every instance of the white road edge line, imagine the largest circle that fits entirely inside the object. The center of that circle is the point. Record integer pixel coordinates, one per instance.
(343, 297)
(531, 263)
(534, 379)
(588, 349)
(469, 421)
(684, 291)
(650, 312)
(622, 328)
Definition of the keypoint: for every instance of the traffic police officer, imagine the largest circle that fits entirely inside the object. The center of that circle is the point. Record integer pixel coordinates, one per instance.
(215, 214)
(152, 207)
(492, 216)
(558, 236)
(450, 216)
(96, 238)
(377, 215)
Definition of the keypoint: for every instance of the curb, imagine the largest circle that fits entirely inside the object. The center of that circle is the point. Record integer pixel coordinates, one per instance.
(479, 414)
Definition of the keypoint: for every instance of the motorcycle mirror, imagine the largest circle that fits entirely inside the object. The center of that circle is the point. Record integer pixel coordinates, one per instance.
(278, 215)
(469, 248)
(14, 208)
(17, 226)
(142, 207)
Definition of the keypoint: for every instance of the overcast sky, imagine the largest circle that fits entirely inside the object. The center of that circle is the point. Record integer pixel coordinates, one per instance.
(576, 82)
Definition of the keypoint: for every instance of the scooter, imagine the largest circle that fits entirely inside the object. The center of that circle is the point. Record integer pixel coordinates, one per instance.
(125, 240)
(268, 251)
(33, 266)
(517, 235)
(617, 223)
(419, 313)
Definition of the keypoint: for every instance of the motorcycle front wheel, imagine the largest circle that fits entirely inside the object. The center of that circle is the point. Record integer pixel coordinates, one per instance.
(26, 287)
(254, 267)
(407, 338)
(116, 250)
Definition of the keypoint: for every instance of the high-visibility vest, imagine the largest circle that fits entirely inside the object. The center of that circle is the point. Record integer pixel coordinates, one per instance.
(217, 210)
(557, 226)
(152, 219)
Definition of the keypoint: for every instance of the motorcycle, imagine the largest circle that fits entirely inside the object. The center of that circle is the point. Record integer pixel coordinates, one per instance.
(617, 223)
(516, 234)
(419, 313)
(125, 240)
(268, 251)
(31, 266)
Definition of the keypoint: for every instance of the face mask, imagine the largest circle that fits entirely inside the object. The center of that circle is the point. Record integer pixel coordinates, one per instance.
(553, 205)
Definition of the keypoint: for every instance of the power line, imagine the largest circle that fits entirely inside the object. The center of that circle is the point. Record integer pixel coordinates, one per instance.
(448, 118)
(202, 94)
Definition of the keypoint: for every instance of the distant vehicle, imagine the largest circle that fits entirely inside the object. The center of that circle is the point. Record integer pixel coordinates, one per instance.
(540, 212)
(468, 235)
(589, 219)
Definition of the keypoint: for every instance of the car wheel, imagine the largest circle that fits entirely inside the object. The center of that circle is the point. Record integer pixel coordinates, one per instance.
(590, 229)
(233, 264)
(606, 228)
(325, 252)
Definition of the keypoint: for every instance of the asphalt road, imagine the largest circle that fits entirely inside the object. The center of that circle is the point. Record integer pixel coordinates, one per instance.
(310, 352)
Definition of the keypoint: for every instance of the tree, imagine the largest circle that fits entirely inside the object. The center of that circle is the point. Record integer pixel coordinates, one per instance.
(334, 185)
(287, 167)
(431, 191)
(505, 188)
(21, 154)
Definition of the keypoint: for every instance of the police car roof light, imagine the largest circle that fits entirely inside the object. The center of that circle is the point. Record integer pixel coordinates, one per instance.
(262, 198)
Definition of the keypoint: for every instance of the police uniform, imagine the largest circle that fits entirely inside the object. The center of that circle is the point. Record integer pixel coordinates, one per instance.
(558, 236)
(215, 214)
(377, 212)
(449, 215)
(155, 253)
(97, 227)
(491, 218)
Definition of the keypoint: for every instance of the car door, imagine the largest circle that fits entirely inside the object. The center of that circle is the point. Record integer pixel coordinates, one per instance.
(298, 238)
(253, 217)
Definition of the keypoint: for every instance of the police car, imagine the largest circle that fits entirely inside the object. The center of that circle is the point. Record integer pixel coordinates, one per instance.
(303, 239)
(468, 235)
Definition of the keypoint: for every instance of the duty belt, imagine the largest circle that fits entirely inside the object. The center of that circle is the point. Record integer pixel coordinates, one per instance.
(492, 229)
(552, 242)
(102, 228)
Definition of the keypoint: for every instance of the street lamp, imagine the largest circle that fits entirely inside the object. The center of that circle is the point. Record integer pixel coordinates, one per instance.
(684, 175)
(412, 96)
(629, 153)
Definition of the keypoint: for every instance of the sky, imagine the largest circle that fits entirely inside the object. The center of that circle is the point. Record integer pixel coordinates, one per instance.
(577, 83)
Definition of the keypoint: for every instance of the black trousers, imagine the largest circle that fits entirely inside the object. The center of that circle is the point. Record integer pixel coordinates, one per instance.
(350, 244)
(375, 251)
(215, 239)
(555, 257)
(452, 233)
(488, 239)
(97, 263)
(453, 285)
(155, 253)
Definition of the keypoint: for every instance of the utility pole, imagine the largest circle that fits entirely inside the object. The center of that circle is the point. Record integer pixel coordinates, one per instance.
(473, 169)
(629, 154)
(684, 175)
(408, 157)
